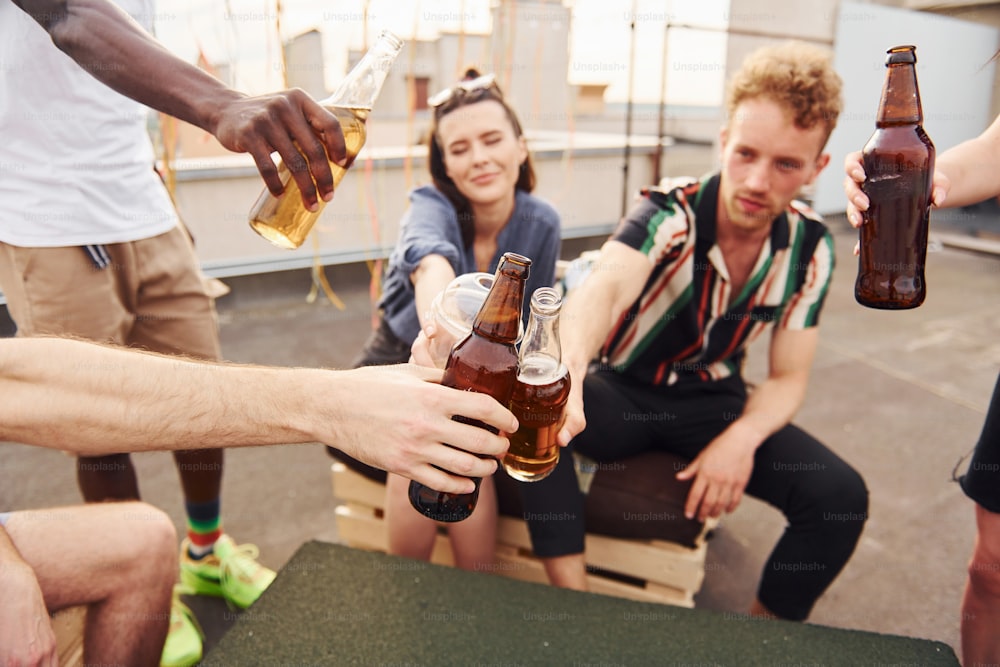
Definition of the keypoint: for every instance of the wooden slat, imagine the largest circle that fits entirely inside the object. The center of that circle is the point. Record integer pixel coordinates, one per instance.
(663, 572)
(664, 595)
(514, 532)
(68, 627)
(349, 485)
(660, 591)
(666, 563)
(677, 566)
(441, 553)
(513, 563)
(361, 529)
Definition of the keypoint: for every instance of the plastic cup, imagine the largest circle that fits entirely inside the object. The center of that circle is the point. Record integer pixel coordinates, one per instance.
(454, 310)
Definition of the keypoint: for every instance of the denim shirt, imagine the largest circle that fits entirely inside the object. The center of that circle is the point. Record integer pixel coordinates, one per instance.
(430, 227)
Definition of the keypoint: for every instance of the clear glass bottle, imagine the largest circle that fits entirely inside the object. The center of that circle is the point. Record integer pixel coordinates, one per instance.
(899, 166)
(484, 361)
(284, 220)
(540, 393)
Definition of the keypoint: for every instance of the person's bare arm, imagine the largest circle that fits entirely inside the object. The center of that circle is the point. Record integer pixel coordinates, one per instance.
(722, 470)
(964, 174)
(432, 275)
(112, 47)
(969, 170)
(26, 635)
(590, 311)
(93, 399)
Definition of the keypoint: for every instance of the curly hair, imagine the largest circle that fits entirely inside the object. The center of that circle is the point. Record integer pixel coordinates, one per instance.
(795, 75)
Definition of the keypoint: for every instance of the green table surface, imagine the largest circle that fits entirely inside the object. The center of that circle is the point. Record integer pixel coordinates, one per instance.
(333, 605)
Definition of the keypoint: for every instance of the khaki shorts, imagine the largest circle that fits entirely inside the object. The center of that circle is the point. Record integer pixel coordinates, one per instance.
(152, 295)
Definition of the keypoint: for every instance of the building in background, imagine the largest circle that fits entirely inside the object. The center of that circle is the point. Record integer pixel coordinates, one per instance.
(588, 166)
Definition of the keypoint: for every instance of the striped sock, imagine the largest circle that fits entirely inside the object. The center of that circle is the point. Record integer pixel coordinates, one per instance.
(204, 522)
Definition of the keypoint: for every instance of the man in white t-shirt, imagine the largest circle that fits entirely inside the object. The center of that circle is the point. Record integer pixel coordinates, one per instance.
(90, 245)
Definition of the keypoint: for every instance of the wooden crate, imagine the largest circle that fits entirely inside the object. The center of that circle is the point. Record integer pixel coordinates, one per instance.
(646, 570)
(68, 627)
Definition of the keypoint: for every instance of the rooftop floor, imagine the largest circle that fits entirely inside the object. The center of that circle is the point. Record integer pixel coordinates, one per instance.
(901, 395)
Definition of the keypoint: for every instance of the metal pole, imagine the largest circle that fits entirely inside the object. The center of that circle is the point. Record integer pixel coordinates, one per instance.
(663, 110)
(628, 112)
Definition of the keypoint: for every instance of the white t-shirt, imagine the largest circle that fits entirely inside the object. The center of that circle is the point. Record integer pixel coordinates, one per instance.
(76, 161)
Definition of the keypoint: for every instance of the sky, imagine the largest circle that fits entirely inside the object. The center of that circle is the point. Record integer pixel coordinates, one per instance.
(246, 33)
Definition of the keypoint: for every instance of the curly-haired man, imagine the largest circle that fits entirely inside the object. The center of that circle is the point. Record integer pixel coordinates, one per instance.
(694, 273)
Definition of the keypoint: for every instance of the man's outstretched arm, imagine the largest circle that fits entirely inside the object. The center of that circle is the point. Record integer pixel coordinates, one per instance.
(93, 399)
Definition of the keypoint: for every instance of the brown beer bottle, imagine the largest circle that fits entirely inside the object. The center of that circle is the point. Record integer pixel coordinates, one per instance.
(483, 361)
(899, 165)
(540, 393)
(284, 220)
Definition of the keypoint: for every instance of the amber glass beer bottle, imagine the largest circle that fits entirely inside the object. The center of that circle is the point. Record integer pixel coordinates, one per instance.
(484, 361)
(540, 393)
(899, 165)
(284, 220)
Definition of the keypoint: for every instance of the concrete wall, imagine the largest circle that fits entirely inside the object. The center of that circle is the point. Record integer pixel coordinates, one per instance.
(530, 56)
(987, 13)
(583, 179)
(304, 64)
(757, 23)
(528, 50)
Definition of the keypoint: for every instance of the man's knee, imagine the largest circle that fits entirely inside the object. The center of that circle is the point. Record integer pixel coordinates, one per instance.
(158, 529)
(152, 545)
(849, 493)
(838, 498)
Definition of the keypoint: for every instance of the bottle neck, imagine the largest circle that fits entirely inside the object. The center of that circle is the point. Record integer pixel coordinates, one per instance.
(900, 103)
(542, 335)
(499, 318)
(362, 85)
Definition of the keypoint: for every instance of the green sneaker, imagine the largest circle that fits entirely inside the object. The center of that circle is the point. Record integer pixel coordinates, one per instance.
(231, 571)
(184, 638)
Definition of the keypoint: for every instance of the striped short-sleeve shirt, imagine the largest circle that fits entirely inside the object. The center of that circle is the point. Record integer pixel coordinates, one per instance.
(686, 326)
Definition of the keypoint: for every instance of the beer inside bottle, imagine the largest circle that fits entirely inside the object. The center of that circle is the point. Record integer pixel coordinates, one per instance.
(540, 393)
(899, 166)
(539, 399)
(484, 361)
(283, 220)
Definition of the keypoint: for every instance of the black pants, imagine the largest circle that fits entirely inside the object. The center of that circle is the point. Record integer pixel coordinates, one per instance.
(982, 480)
(823, 498)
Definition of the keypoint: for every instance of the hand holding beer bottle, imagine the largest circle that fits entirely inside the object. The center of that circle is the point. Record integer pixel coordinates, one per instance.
(484, 361)
(284, 220)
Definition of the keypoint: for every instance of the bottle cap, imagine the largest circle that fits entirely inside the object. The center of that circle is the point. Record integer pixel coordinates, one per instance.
(394, 40)
(901, 55)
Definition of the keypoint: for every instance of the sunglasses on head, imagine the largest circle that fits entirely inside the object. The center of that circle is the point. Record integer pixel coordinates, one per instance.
(484, 83)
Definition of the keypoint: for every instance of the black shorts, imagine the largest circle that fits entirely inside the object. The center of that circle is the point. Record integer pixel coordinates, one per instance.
(981, 482)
